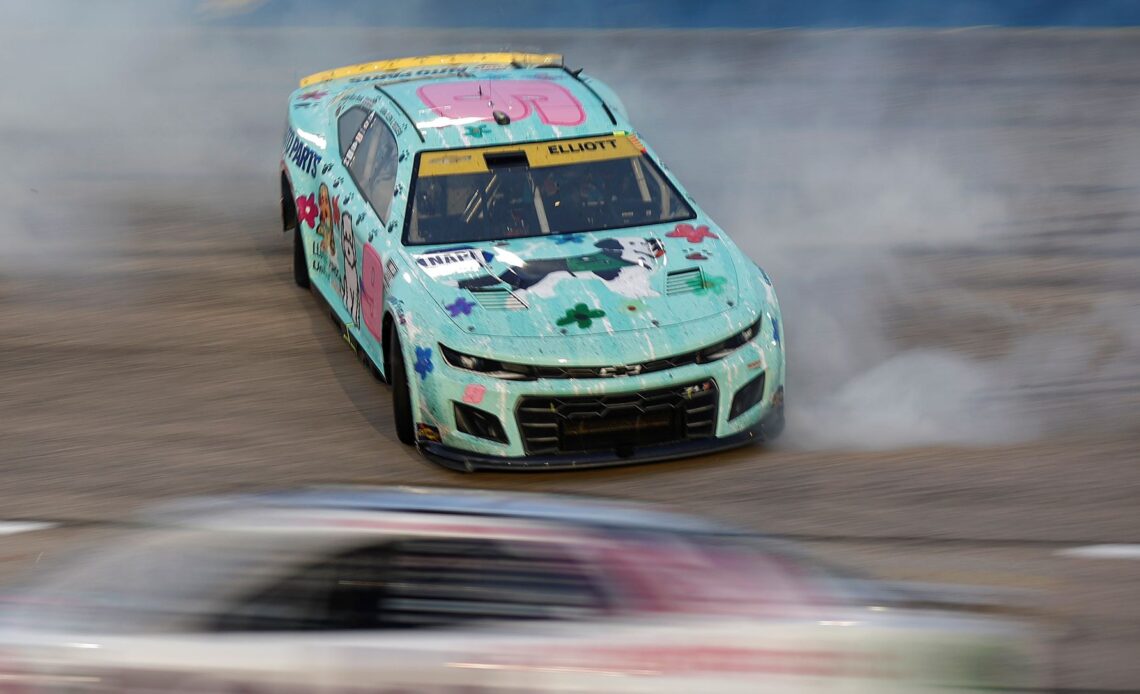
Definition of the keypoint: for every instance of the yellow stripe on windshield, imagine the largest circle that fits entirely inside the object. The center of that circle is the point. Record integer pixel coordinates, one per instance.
(539, 154)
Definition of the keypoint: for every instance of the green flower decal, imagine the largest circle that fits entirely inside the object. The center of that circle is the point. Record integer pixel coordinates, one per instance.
(712, 283)
(581, 314)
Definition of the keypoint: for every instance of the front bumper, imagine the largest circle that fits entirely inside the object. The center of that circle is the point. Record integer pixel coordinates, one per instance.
(437, 395)
(469, 461)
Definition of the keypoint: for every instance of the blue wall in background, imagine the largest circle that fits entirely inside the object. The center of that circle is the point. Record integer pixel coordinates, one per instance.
(575, 14)
(618, 14)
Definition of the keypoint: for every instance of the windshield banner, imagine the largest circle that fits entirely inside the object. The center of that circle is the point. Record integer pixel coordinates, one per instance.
(538, 154)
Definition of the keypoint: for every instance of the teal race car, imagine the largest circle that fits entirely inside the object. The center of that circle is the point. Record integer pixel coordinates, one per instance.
(498, 244)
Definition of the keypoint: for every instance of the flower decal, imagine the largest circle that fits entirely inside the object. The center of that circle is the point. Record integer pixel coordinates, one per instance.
(313, 95)
(691, 234)
(460, 307)
(473, 394)
(563, 239)
(581, 314)
(307, 209)
(476, 130)
(423, 365)
(712, 283)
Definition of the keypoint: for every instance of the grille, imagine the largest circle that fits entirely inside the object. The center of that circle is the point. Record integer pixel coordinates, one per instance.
(498, 300)
(609, 422)
(682, 281)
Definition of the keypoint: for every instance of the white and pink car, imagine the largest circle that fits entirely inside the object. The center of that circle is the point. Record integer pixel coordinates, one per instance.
(397, 590)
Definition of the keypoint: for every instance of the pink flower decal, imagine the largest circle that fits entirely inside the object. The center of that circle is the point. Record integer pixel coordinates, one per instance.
(687, 232)
(474, 394)
(313, 95)
(307, 209)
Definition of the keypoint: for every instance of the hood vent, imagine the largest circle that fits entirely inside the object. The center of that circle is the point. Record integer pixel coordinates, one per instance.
(498, 299)
(684, 281)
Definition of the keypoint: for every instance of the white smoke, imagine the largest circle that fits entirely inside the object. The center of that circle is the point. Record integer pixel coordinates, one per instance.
(852, 176)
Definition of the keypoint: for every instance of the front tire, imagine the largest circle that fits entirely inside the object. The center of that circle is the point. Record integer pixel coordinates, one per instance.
(401, 397)
(773, 424)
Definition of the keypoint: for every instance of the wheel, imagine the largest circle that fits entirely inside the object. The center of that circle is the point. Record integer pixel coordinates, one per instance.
(401, 397)
(300, 263)
(773, 424)
(289, 223)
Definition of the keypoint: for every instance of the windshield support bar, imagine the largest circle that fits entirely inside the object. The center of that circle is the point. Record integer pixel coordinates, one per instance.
(402, 110)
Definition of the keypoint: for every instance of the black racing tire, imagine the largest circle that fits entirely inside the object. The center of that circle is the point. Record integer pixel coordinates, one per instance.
(401, 396)
(300, 262)
(773, 424)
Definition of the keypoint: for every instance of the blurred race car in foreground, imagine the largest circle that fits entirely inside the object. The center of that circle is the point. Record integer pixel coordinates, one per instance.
(401, 590)
(495, 241)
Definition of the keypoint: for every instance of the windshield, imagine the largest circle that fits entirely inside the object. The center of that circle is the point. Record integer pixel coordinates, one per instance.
(539, 189)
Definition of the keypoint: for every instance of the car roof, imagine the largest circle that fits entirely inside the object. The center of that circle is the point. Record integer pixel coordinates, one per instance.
(400, 84)
(582, 511)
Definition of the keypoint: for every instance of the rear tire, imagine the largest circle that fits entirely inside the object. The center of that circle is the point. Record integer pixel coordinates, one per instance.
(289, 223)
(401, 396)
(300, 263)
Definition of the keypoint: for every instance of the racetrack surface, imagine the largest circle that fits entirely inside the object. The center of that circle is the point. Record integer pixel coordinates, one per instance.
(951, 220)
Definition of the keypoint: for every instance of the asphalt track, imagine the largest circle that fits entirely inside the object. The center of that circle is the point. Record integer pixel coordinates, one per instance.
(152, 344)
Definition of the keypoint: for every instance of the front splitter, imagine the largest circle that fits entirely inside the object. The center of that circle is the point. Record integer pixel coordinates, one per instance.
(468, 461)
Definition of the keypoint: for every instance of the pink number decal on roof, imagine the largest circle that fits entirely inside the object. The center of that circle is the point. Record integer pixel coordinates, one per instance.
(372, 292)
(554, 104)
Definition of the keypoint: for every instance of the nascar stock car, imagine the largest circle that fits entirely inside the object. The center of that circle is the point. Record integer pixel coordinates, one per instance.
(394, 590)
(539, 290)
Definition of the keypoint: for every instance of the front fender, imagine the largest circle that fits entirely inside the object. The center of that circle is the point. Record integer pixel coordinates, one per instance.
(416, 325)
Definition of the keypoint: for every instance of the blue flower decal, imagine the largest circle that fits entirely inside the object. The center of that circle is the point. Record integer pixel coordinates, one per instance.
(564, 239)
(423, 364)
(460, 307)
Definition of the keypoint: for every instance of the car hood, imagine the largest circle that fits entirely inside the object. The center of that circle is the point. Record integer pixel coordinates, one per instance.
(576, 284)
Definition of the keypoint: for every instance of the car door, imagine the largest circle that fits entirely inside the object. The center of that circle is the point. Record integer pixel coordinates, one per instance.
(411, 614)
(366, 214)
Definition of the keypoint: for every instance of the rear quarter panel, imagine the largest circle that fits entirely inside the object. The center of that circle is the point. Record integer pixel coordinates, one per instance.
(352, 254)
